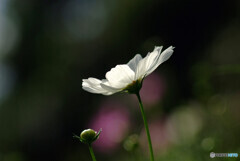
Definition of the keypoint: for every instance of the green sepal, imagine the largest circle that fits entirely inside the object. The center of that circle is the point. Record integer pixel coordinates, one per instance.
(97, 135)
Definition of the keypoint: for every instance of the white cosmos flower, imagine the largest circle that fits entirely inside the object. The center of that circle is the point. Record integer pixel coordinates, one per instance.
(128, 77)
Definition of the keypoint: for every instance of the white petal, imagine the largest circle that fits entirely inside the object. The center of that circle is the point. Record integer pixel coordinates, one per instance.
(146, 63)
(158, 49)
(89, 89)
(94, 80)
(93, 85)
(94, 91)
(109, 88)
(91, 82)
(134, 62)
(120, 76)
(165, 55)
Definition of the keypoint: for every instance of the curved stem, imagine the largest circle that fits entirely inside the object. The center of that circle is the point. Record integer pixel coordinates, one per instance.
(146, 126)
(92, 153)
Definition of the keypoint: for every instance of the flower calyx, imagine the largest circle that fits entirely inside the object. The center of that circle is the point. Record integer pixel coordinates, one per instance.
(134, 87)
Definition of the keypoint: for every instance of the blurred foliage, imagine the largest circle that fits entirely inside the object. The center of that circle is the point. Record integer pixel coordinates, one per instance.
(48, 47)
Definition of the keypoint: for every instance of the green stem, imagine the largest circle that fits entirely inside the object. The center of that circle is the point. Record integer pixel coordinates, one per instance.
(146, 126)
(92, 153)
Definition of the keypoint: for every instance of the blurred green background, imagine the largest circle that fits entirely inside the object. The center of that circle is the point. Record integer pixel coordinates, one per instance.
(192, 101)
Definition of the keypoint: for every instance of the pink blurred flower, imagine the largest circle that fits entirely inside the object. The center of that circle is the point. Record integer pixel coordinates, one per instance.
(153, 89)
(114, 120)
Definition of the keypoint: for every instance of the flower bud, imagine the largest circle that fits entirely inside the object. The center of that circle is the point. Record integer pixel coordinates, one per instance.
(88, 136)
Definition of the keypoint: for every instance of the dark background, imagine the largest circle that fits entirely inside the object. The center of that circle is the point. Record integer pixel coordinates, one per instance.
(48, 47)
